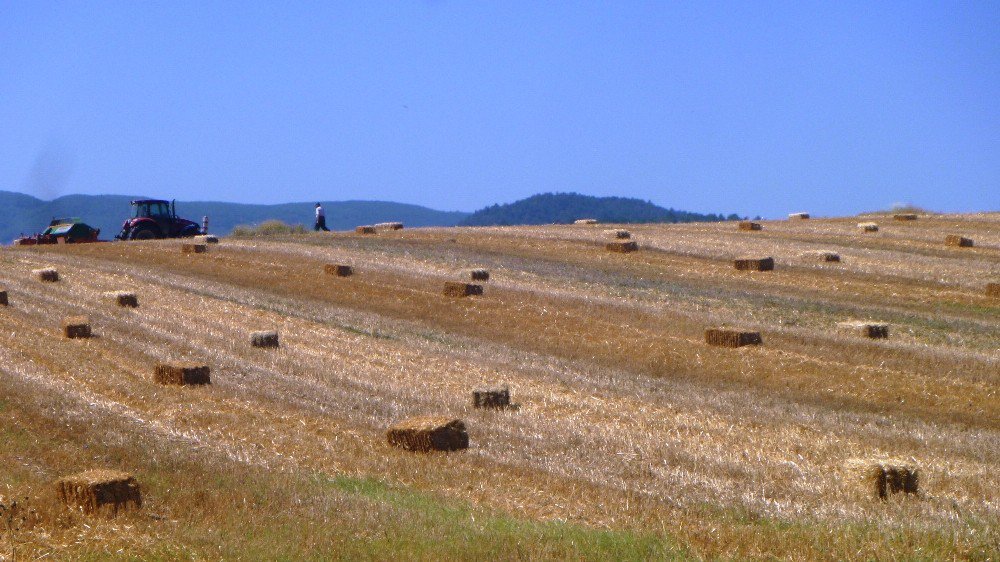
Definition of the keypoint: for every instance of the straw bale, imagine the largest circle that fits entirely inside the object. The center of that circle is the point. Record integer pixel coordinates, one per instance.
(956, 240)
(993, 289)
(868, 227)
(585, 221)
(727, 337)
(123, 298)
(105, 492)
(267, 338)
(338, 269)
(872, 330)
(798, 216)
(47, 274)
(76, 327)
(479, 274)
(3, 297)
(206, 239)
(429, 433)
(750, 225)
(880, 479)
(618, 233)
(492, 399)
(181, 373)
(194, 248)
(622, 246)
(821, 255)
(905, 217)
(754, 264)
(389, 226)
(458, 289)
(367, 229)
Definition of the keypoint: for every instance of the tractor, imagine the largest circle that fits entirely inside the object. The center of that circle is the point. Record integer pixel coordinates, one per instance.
(155, 218)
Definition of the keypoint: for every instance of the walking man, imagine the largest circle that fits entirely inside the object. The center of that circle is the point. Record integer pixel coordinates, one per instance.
(320, 219)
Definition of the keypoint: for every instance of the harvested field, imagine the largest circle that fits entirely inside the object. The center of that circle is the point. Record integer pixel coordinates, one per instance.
(993, 289)
(635, 439)
(618, 233)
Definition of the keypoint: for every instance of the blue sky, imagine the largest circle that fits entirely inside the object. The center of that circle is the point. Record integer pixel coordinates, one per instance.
(748, 107)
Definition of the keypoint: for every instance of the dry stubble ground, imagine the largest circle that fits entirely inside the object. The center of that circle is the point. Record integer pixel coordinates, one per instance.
(634, 439)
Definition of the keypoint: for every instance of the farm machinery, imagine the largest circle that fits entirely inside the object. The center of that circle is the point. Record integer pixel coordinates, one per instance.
(62, 231)
(155, 218)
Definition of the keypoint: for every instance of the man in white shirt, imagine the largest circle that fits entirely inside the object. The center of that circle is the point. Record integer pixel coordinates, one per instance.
(320, 219)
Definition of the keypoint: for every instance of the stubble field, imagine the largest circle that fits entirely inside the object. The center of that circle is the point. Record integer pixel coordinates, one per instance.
(634, 439)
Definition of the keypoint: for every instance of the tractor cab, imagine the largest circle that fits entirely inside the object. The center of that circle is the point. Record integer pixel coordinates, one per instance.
(156, 218)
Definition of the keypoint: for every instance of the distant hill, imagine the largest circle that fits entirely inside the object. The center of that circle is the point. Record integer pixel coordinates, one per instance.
(563, 208)
(21, 213)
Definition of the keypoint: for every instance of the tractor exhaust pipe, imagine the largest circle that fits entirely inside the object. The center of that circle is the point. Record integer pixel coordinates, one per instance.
(204, 224)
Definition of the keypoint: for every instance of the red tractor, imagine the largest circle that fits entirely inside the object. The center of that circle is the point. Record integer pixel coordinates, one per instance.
(155, 218)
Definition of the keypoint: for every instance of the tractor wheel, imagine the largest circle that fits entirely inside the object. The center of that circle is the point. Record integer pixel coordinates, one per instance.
(143, 234)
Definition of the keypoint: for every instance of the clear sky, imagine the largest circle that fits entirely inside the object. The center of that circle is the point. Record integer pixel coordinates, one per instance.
(747, 107)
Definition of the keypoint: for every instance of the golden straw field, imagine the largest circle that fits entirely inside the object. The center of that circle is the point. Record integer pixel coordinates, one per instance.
(634, 439)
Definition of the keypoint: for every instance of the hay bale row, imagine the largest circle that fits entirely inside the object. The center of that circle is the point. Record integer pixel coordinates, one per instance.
(822, 255)
(622, 247)
(881, 479)
(366, 229)
(268, 338)
(46, 274)
(184, 373)
(75, 327)
(429, 433)
(749, 225)
(389, 226)
(99, 491)
(798, 216)
(865, 329)
(868, 227)
(338, 270)
(726, 337)
(993, 289)
(585, 221)
(905, 216)
(123, 298)
(194, 248)
(458, 289)
(754, 264)
(618, 233)
(479, 274)
(959, 241)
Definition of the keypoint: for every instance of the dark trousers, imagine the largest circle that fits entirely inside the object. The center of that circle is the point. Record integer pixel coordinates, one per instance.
(321, 224)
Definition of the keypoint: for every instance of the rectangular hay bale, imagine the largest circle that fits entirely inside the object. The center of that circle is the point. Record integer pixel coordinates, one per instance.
(389, 226)
(184, 373)
(366, 229)
(622, 247)
(46, 274)
(479, 275)
(76, 327)
(206, 239)
(585, 221)
(868, 227)
(993, 289)
(881, 479)
(959, 241)
(268, 338)
(822, 255)
(458, 289)
(99, 491)
(338, 269)
(798, 216)
(194, 248)
(3, 297)
(754, 264)
(491, 398)
(905, 216)
(429, 433)
(123, 298)
(726, 337)
(750, 225)
(866, 329)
